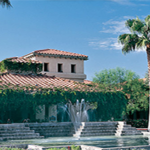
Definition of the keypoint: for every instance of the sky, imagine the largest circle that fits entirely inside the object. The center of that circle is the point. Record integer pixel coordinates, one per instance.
(89, 27)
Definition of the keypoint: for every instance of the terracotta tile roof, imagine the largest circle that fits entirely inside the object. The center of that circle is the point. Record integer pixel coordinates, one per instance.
(23, 60)
(39, 81)
(57, 53)
(87, 82)
(144, 79)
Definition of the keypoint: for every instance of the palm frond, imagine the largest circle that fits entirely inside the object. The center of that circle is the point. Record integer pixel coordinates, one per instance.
(128, 38)
(5, 3)
(147, 19)
(122, 37)
(135, 25)
(142, 42)
(127, 48)
(129, 23)
(128, 41)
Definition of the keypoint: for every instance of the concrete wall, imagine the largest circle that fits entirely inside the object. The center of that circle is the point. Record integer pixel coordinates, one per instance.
(66, 64)
(40, 113)
(52, 112)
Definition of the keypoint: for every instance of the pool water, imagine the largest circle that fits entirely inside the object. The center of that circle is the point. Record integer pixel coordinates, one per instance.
(104, 142)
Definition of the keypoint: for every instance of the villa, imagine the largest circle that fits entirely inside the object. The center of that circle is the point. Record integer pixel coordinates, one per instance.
(34, 85)
(60, 63)
(55, 68)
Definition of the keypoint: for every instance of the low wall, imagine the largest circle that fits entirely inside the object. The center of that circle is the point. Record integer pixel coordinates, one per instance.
(142, 147)
(24, 146)
(85, 147)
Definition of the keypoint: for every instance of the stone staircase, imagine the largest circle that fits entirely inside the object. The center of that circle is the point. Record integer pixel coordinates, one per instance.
(17, 131)
(96, 129)
(63, 129)
(105, 129)
(124, 129)
(53, 129)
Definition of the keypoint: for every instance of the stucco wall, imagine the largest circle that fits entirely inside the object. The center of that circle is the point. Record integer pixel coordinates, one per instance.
(53, 67)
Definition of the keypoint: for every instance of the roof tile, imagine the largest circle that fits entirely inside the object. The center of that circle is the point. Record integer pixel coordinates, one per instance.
(40, 81)
(56, 53)
(23, 60)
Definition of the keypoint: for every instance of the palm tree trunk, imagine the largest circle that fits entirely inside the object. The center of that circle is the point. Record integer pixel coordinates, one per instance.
(148, 58)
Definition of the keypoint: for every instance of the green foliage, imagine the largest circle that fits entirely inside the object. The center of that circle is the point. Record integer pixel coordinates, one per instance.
(114, 76)
(5, 3)
(137, 91)
(110, 104)
(128, 46)
(57, 149)
(73, 147)
(20, 67)
(141, 123)
(146, 78)
(127, 81)
(139, 37)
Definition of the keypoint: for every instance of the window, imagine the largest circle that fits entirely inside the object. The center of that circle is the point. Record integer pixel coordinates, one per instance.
(46, 67)
(73, 68)
(60, 68)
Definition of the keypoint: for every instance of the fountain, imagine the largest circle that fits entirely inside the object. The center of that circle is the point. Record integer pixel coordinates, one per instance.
(78, 112)
(100, 134)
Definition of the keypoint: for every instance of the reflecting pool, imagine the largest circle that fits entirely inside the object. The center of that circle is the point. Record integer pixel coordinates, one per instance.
(109, 141)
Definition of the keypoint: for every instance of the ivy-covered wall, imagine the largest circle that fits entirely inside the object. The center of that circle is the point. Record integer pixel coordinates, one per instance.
(14, 102)
(20, 67)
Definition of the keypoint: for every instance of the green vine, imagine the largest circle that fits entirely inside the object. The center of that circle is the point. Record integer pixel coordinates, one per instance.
(17, 99)
(20, 67)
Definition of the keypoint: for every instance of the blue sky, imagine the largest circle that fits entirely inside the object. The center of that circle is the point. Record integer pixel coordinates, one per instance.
(89, 27)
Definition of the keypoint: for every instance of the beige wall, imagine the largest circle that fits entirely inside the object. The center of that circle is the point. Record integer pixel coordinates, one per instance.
(53, 67)
(40, 114)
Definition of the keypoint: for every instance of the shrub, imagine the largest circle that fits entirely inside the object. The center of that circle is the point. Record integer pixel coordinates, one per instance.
(141, 123)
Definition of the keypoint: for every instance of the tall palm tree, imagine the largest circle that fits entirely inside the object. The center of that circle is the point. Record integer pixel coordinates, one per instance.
(5, 3)
(138, 39)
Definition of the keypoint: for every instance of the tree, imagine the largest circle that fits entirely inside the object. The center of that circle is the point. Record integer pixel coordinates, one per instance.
(137, 92)
(113, 77)
(127, 81)
(5, 3)
(138, 39)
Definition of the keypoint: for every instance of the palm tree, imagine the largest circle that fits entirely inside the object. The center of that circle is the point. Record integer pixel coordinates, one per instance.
(5, 3)
(138, 39)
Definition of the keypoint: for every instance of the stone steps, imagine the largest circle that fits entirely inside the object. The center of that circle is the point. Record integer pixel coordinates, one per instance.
(96, 129)
(58, 135)
(126, 134)
(17, 131)
(124, 130)
(43, 132)
(106, 129)
(100, 129)
(11, 132)
(53, 129)
(19, 134)
(96, 134)
(21, 138)
(14, 129)
(59, 130)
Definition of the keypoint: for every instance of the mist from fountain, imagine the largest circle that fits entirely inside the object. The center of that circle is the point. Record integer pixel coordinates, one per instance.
(77, 112)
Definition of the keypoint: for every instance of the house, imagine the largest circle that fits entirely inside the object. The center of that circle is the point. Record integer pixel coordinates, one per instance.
(60, 63)
(47, 68)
